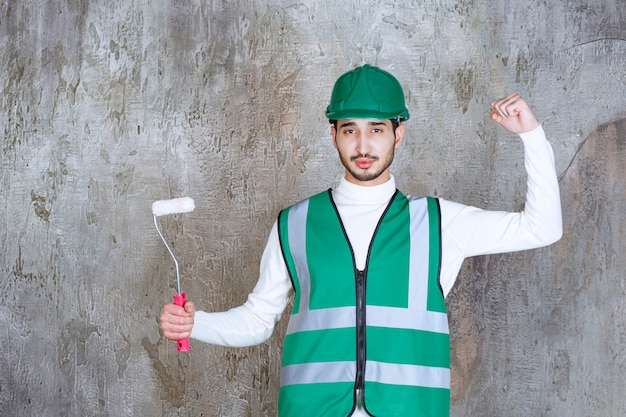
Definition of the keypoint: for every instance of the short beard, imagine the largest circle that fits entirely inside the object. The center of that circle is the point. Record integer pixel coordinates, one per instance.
(366, 175)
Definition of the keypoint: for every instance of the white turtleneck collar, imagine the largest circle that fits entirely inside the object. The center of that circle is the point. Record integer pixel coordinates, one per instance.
(350, 193)
(360, 208)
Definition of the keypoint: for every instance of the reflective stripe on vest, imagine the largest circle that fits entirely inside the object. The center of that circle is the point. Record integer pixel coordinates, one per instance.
(418, 320)
(386, 373)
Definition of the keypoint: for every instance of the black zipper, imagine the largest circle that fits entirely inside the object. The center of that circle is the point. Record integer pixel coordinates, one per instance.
(361, 280)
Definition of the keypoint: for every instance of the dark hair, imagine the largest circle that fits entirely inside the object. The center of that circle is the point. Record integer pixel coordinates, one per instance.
(394, 124)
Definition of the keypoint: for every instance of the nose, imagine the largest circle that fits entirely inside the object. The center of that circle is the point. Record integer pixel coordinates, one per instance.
(362, 145)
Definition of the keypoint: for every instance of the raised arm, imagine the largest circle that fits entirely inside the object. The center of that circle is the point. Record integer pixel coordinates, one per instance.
(469, 231)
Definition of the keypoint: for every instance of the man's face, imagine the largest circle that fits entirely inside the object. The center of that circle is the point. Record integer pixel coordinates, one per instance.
(366, 148)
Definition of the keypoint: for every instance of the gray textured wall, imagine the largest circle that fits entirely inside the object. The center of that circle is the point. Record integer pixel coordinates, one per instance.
(110, 105)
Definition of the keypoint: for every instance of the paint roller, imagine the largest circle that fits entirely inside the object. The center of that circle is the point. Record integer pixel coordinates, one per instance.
(162, 208)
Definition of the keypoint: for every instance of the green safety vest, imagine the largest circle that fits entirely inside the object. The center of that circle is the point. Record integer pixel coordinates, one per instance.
(383, 330)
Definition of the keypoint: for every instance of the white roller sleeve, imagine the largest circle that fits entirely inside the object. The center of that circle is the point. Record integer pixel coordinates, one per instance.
(173, 206)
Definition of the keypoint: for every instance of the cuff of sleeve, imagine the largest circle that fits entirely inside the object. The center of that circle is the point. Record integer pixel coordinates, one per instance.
(202, 329)
(533, 134)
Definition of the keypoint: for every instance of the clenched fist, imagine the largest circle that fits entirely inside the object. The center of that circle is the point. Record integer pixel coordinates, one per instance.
(177, 321)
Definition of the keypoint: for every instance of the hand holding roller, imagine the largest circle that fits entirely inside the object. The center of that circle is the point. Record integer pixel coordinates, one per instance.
(162, 208)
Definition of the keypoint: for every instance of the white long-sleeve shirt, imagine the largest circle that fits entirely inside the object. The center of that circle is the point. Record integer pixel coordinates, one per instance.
(466, 231)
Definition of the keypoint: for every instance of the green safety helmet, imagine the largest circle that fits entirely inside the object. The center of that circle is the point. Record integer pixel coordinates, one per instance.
(367, 92)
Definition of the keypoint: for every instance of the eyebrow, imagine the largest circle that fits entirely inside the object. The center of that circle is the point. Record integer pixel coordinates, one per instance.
(370, 123)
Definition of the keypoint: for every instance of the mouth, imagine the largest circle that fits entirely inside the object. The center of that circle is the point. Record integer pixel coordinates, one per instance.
(364, 161)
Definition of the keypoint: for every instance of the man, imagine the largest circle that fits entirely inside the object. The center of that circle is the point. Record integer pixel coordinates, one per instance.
(369, 268)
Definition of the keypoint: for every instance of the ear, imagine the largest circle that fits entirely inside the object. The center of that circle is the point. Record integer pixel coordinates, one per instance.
(399, 135)
(333, 134)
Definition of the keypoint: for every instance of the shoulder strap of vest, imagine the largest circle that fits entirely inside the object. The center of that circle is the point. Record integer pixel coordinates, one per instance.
(434, 216)
(283, 232)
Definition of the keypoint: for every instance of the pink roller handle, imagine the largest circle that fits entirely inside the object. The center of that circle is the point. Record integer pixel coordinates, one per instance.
(183, 344)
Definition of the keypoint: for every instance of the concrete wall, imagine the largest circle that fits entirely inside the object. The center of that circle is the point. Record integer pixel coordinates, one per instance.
(110, 105)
